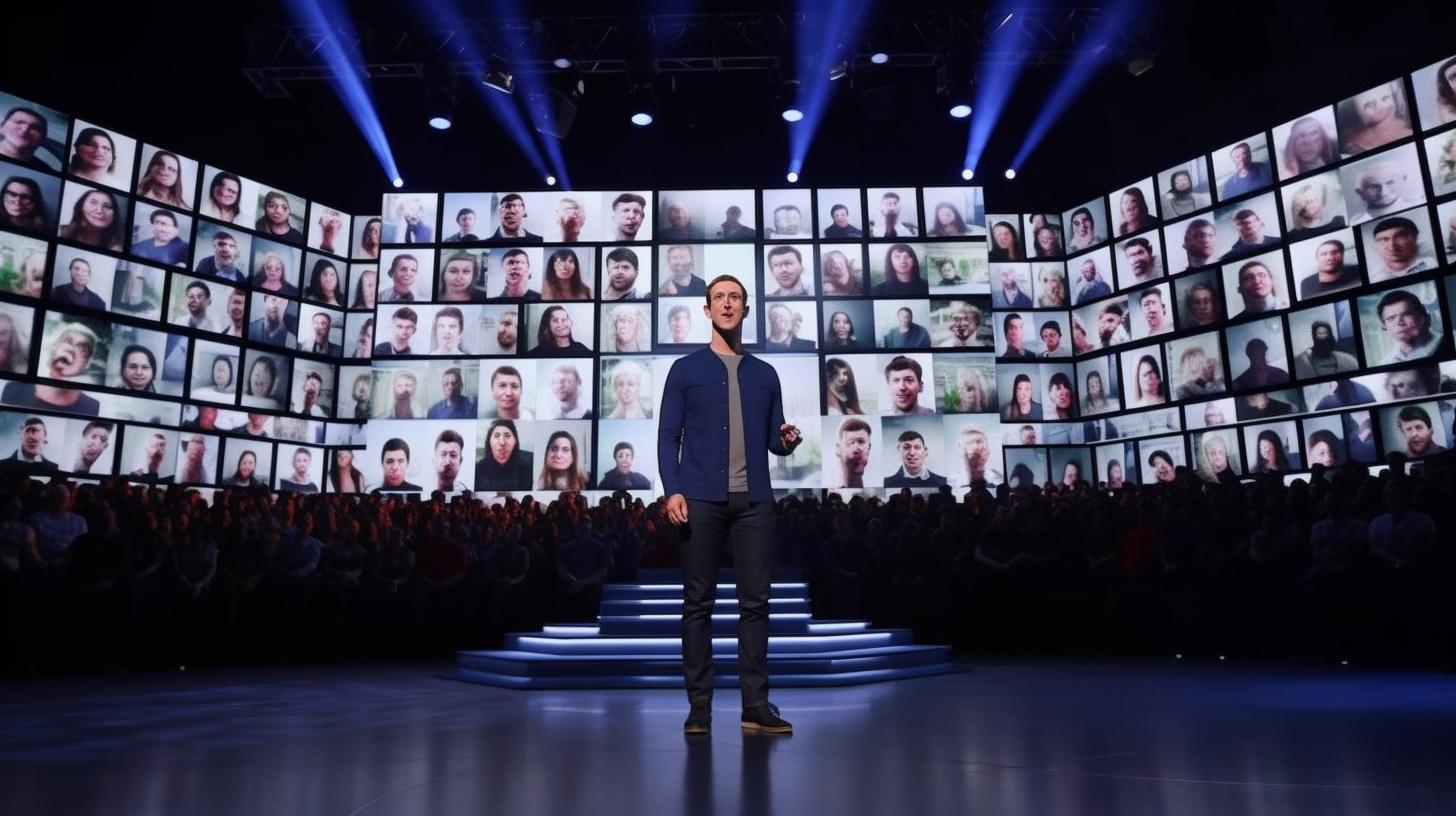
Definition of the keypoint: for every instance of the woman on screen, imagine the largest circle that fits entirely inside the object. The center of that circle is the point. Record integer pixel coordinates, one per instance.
(1064, 400)
(1445, 169)
(1213, 459)
(222, 389)
(323, 284)
(563, 278)
(553, 335)
(448, 332)
(22, 132)
(276, 219)
(1148, 384)
(629, 329)
(1115, 477)
(246, 472)
(1376, 117)
(1005, 243)
(1309, 147)
(138, 369)
(261, 377)
(561, 469)
(1084, 230)
(14, 351)
(457, 278)
(1324, 449)
(365, 289)
(841, 332)
(1307, 211)
(627, 379)
(1048, 243)
(23, 207)
(1163, 468)
(505, 466)
(902, 274)
(344, 476)
(1446, 92)
(1053, 288)
(272, 277)
(1022, 406)
(369, 239)
(838, 277)
(841, 394)
(364, 343)
(1136, 216)
(948, 221)
(133, 298)
(222, 198)
(94, 158)
(162, 181)
(94, 222)
(1271, 456)
(1094, 401)
(971, 395)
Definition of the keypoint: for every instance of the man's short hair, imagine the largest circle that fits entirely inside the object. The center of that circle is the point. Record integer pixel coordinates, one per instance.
(888, 194)
(223, 235)
(406, 313)
(464, 211)
(708, 298)
(1245, 214)
(452, 370)
(394, 262)
(206, 292)
(450, 436)
(1331, 242)
(505, 371)
(621, 446)
(1255, 344)
(1053, 325)
(1197, 223)
(1244, 145)
(1151, 291)
(163, 214)
(509, 197)
(511, 253)
(908, 436)
(623, 255)
(32, 420)
(902, 363)
(395, 444)
(1398, 222)
(96, 423)
(568, 368)
(629, 198)
(305, 452)
(1006, 322)
(785, 250)
(314, 375)
(1401, 296)
(1115, 307)
(1414, 413)
(1138, 241)
(855, 424)
(836, 208)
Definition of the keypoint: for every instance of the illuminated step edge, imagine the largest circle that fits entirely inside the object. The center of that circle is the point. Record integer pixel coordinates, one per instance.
(591, 630)
(777, 644)
(519, 662)
(721, 680)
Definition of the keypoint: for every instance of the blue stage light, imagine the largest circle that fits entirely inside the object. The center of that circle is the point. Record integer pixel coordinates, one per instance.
(818, 52)
(792, 114)
(968, 174)
(1010, 173)
(879, 58)
(398, 182)
(960, 111)
(997, 79)
(792, 177)
(550, 181)
(440, 122)
(642, 119)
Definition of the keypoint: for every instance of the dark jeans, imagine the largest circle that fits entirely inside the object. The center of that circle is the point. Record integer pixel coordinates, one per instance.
(750, 527)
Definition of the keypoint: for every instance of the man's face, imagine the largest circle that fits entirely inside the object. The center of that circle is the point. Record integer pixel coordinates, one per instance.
(1162, 470)
(164, 229)
(912, 455)
(780, 321)
(69, 357)
(570, 216)
(1139, 259)
(94, 443)
(301, 461)
(1008, 278)
(628, 218)
(623, 458)
(506, 390)
(450, 384)
(1380, 185)
(236, 301)
(1397, 246)
(726, 307)
(905, 387)
(224, 251)
(1200, 241)
(1201, 305)
(403, 331)
(680, 261)
(787, 270)
(512, 213)
(1013, 333)
(80, 273)
(1417, 436)
(396, 463)
(1403, 384)
(841, 217)
(361, 390)
(1153, 312)
(466, 222)
(156, 448)
(1242, 156)
(565, 385)
(197, 301)
(1255, 281)
(622, 275)
(404, 274)
(1089, 270)
(960, 324)
(853, 449)
(1404, 324)
(1107, 323)
(1330, 257)
(505, 330)
(196, 448)
(976, 449)
(447, 331)
(311, 388)
(32, 439)
(273, 307)
(447, 461)
(787, 221)
(321, 324)
(1028, 435)
(518, 271)
(1251, 228)
(890, 207)
(23, 130)
(1051, 338)
(404, 389)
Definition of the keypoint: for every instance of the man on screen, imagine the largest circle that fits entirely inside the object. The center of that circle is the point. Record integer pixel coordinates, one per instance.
(1416, 429)
(237, 303)
(322, 324)
(298, 481)
(622, 477)
(31, 452)
(506, 332)
(1381, 188)
(199, 300)
(1397, 243)
(975, 454)
(733, 228)
(154, 453)
(566, 390)
(904, 382)
(454, 405)
(1259, 373)
(629, 210)
(913, 470)
(1090, 284)
(788, 222)
(1051, 339)
(852, 451)
(1248, 175)
(1405, 319)
(403, 269)
(313, 386)
(786, 271)
(465, 220)
(907, 333)
(78, 292)
(505, 393)
(1202, 304)
(682, 281)
(511, 213)
(402, 388)
(271, 328)
(889, 224)
(449, 453)
(517, 274)
(1251, 236)
(1256, 287)
(965, 324)
(394, 460)
(570, 218)
(95, 439)
(1015, 345)
(840, 226)
(781, 334)
(1200, 241)
(405, 321)
(1155, 312)
(1010, 294)
(1331, 273)
(1321, 358)
(679, 324)
(622, 266)
(223, 262)
(1142, 262)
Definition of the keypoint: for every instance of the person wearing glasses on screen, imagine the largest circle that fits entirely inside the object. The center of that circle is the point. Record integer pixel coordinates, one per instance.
(682, 281)
(322, 323)
(1136, 215)
(94, 158)
(457, 279)
(1309, 147)
(1381, 187)
(1397, 243)
(781, 331)
(840, 226)
(1148, 387)
(1259, 374)
(223, 195)
(24, 205)
(222, 263)
(165, 246)
(553, 335)
(78, 293)
(1251, 236)
(564, 278)
(1180, 199)
(465, 220)
(889, 224)
(1248, 174)
(965, 324)
(914, 470)
(94, 222)
(1331, 273)
(22, 132)
(516, 266)
(786, 269)
(511, 217)
(1084, 231)
(1406, 320)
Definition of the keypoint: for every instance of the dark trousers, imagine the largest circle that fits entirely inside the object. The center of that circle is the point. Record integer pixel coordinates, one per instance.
(750, 527)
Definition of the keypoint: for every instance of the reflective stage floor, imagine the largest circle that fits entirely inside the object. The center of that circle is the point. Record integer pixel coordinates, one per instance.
(1012, 736)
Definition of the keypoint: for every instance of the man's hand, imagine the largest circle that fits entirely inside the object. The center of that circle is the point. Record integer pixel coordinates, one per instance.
(677, 509)
(789, 435)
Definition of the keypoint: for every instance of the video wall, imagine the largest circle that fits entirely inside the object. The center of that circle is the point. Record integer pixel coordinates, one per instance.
(165, 319)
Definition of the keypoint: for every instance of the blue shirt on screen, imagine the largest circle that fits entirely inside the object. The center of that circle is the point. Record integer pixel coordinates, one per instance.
(172, 253)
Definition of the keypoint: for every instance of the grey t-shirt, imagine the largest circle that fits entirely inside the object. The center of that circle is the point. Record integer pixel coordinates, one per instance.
(737, 457)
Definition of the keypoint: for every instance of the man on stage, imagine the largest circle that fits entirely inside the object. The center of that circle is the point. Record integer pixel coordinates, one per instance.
(722, 410)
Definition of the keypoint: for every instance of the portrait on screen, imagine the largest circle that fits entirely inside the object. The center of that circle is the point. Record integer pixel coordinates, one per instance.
(1086, 225)
(325, 281)
(411, 457)
(917, 455)
(563, 455)
(138, 363)
(74, 349)
(1403, 324)
(626, 455)
(1089, 276)
(1116, 465)
(404, 275)
(215, 372)
(896, 270)
(276, 268)
(368, 232)
(905, 390)
(396, 332)
(680, 320)
(321, 331)
(84, 447)
(1185, 189)
(1071, 466)
(1026, 467)
(790, 326)
(329, 230)
(462, 278)
(1099, 384)
(466, 217)
(280, 215)
(16, 324)
(1315, 205)
(409, 218)
(1306, 144)
(166, 178)
(1441, 158)
(356, 384)
(451, 389)
(1339, 438)
(160, 235)
(893, 212)
(1212, 414)
(1352, 390)
(454, 330)
(101, 156)
(149, 454)
(567, 389)
(841, 270)
(965, 384)
(1153, 315)
(1139, 260)
(1257, 354)
(1242, 167)
(1322, 339)
(560, 329)
(1195, 366)
(22, 265)
(1417, 429)
(973, 452)
(222, 252)
(1019, 388)
(136, 290)
(853, 451)
(265, 379)
(1382, 184)
(568, 273)
(1373, 118)
(572, 216)
(901, 324)
(1059, 399)
(788, 215)
(1193, 243)
(1325, 264)
(1004, 242)
(961, 323)
(503, 455)
(840, 215)
(1159, 459)
(92, 216)
(1051, 285)
(32, 135)
(1273, 447)
(681, 215)
(300, 469)
(851, 384)
(1197, 299)
(196, 458)
(1216, 456)
(786, 271)
(848, 325)
(229, 198)
(958, 267)
(1435, 87)
(954, 212)
(1256, 285)
(1399, 245)
(359, 335)
(1011, 286)
(625, 328)
(627, 388)
(398, 392)
(79, 278)
(1043, 232)
(275, 320)
(519, 269)
(1104, 323)
(245, 462)
(626, 274)
(626, 216)
(1134, 208)
(1145, 377)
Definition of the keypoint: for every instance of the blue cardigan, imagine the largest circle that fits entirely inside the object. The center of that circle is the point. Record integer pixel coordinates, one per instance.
(694, 423)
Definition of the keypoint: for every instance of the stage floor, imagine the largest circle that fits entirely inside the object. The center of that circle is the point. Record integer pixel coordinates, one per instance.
(1012, 736)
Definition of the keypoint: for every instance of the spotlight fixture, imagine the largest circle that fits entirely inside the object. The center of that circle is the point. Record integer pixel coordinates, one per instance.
(498, 76)
(643, 101)
(793, 177)
(550, 181)
(1010, 173)
(562, 62)
(398, 182)
(955, 84)
(960, 111)
(839, 70)
(968, 174)
(1140, 64)
(789, 93)
(879, 58)
(440, 122)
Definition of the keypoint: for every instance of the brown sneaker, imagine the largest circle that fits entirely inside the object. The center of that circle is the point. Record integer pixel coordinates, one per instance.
(765, 719)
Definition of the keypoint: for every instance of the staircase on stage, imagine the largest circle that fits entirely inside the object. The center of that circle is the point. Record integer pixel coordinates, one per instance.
(637, 643)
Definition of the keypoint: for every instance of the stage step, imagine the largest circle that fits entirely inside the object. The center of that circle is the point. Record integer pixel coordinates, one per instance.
(585, 644)
(721, 680)
(674, 592)
(537, 664)
(724, 623)
(614, 607)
